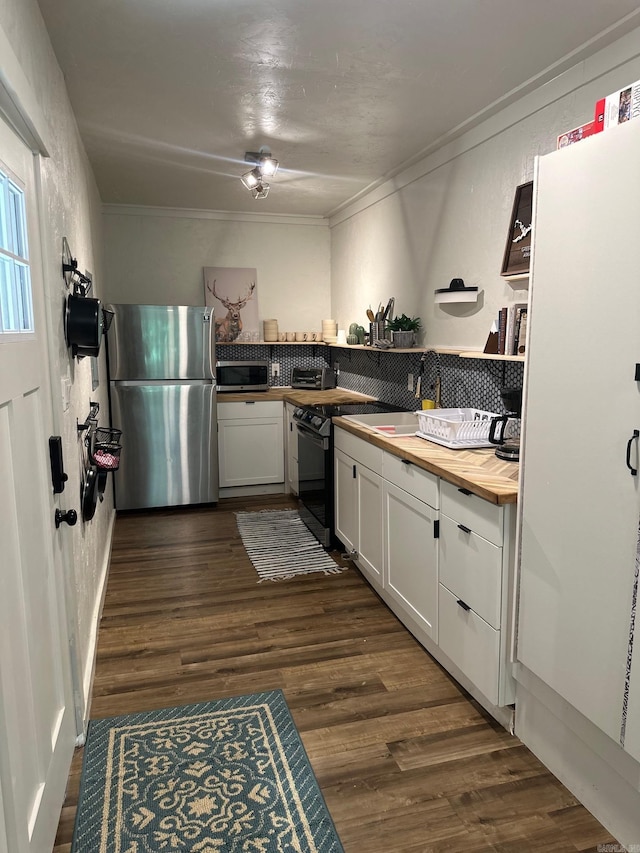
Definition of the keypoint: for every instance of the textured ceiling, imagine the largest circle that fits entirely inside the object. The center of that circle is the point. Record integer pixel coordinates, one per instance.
(169, 94)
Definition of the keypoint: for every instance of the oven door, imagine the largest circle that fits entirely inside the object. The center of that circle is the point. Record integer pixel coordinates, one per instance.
(315, 483)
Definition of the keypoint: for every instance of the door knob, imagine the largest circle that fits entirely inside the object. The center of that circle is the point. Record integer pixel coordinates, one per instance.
(70, 517)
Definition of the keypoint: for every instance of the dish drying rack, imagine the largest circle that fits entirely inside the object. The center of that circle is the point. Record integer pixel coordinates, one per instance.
(456, 428)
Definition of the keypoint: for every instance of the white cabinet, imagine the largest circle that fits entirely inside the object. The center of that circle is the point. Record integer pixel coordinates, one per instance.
(472, 644)
(440, 557)
(476, 561)
(358, 502)
(250, 443)
(411, 556)
(580, 501)
(411, 528)
(346, 499)
(291, 443)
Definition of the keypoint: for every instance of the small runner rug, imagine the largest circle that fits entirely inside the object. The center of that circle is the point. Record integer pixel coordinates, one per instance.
(280, 545)
(229, 776)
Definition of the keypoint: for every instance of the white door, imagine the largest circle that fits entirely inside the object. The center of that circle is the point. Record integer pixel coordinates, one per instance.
(579, 501)
(370, 523)
(346, 509)
(411, 556)
(37, 728)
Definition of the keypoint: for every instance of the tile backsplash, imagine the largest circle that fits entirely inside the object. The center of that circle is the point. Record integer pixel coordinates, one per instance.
(464, 382)
(288, 357)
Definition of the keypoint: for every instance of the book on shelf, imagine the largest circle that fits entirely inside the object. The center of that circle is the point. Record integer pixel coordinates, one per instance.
(509, 325)
(502, 330)
(521, 340)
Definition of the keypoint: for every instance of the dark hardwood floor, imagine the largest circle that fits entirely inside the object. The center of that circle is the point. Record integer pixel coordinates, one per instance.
(406, 760)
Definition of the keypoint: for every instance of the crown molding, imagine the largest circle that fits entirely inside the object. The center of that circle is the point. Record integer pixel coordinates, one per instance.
(224, 215)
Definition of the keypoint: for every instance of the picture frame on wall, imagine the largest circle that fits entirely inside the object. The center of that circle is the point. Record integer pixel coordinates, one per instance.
(517, 254)
(232, 293)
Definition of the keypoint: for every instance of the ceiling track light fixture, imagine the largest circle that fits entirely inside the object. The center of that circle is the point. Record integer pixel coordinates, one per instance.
(265, 167)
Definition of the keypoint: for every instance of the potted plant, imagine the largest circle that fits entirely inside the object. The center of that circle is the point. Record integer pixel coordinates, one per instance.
(403, 330)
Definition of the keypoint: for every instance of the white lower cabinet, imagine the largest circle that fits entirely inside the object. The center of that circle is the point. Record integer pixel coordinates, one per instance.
(440, 556)
(346, 499)
(358, 502)
(476, 571)
(472, 568)
(291, 442)
(250, 443)
(471, 643)
(411, 556)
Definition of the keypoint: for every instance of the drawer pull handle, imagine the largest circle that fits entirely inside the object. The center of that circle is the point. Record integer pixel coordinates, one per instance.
(407, 462)
(465, 492)
(462, 604)
(464, 529)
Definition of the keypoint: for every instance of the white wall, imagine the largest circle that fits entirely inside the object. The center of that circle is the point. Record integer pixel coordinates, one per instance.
(448, 216)
(156, 257)
(70, 207)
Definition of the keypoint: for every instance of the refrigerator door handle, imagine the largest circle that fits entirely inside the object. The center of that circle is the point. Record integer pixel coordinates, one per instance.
(209, 339)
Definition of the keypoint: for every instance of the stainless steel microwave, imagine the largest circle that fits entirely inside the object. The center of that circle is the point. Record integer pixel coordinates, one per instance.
(242, 375)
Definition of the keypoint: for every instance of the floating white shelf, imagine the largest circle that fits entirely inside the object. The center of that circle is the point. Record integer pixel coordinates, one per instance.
(469, 294)
(491, 356)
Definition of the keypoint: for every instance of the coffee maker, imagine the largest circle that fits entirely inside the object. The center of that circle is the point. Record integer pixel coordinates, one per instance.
(505, 430)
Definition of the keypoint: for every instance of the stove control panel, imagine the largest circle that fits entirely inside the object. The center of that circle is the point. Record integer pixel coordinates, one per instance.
(318, 423)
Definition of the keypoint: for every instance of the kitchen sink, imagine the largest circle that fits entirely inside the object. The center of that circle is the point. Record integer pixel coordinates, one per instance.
(390, 424)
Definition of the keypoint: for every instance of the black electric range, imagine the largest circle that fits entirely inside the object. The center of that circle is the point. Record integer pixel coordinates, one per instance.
(315, 461)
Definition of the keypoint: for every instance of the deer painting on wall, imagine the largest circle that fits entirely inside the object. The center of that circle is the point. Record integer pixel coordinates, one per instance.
(229, 327)
(232, 289)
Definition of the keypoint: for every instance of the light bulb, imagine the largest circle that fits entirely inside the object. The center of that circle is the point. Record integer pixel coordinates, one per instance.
(251, 179)
(268, 166)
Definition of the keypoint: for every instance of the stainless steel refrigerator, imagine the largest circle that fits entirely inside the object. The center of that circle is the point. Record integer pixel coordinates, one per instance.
(163, 398)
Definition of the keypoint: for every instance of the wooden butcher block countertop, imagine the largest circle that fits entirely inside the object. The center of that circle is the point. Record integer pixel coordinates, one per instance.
(480, 471)
(298, 398)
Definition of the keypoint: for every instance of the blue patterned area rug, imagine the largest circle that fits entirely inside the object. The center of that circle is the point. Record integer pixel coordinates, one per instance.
(230, 776)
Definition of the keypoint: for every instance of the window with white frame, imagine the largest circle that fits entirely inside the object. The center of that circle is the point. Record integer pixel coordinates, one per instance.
(16, 306)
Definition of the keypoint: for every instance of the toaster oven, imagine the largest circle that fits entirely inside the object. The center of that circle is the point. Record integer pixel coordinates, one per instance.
(313, 378)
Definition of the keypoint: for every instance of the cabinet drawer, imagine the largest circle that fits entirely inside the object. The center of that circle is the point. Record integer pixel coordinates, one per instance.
(470, 643)
(260, 409)
(418, 482)
(363, 452)
(484, 518)
(471, 568)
